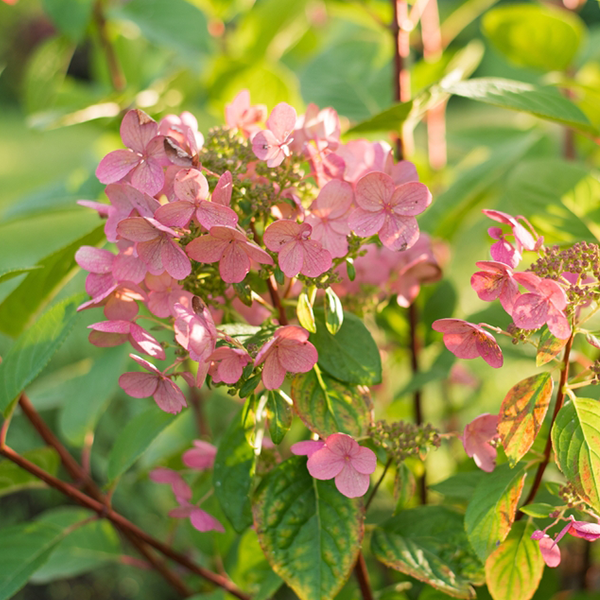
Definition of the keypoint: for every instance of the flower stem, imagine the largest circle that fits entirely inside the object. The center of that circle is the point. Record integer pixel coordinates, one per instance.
(114, 69)
(362, 575)
(376, 486)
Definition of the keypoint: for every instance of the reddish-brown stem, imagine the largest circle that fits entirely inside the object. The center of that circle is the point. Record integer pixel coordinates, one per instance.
(276, 300)
(197, 402)
(114, 69)
(362, 576)
(376, 487)
(560, 398)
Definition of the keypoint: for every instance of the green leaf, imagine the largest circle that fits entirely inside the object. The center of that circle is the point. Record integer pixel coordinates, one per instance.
(544, 102)
(391, 119)
(576, 443)
(548, 347)
(429, 543)
(334, 312)
(24, 549)
(492, 509)
(280, 415)
(88, 395)
(539, 510)
(461, 486)
(135, 438)
(328, 406)
(309, 532)
(515, 568)
(21, 306)
(535, 36)
(233, 473)
(6, 274)
(83, 550)
(29, 355)
(522, 413)
(304, 312)
(351, 355)
(14, 479)
(70, 16)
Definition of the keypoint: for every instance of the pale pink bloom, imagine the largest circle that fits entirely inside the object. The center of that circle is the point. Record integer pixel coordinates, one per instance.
(329, 217)
(550, 551)
(325, 165)
(183, 132)
(523, 237)
(467, 340)
(580, 529)
(307, 447)
(389, 210)
(287, 351)
(113, 333)
(191, 188)
(344, 459)
(231, 248)
(222, 192)
(272, 144)
(155, 246)
(495, 280)
(239, 114)
(166, 394)
(227, 364)
(476, 439)
(164, 293)
(101, 208)
(297, 253)
(287, 210)
(319, 126)
(502, 250)
(121, 303)
(180, 488)
(145, 159)
(545, 303)
(201, 457)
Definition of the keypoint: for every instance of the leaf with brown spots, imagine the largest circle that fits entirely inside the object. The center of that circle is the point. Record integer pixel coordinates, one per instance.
(522, 414)
(548, 347)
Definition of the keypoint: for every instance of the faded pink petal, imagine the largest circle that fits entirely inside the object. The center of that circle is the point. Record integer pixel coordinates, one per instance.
(138, 385)
(228, 364)
(137, 129)
(550, 551)
(325, 464)
(222, 192)
(495, 280)
(116, 165)
(351, 483)
(476, 441)
(201, 457)
(169, 397)
(175, 214)
(202, 521)
(587, 531)
(307, 447)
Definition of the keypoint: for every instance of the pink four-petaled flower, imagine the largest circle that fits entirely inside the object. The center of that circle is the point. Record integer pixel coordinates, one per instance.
(272, 144)
(476, 439)
(495, 280)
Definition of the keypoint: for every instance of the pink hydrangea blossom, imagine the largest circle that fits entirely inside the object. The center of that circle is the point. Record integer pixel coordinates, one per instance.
(495, 280)
(297, 253)
(476, 439)
(145, 159)
(241, 115)
(341, 457)
(166, 394)
(184, 137)
(319, 126)
(467, 340)
(545, 303)
(121, 304)
(231, 248)
(113, 333)
(201, 456)
(548, 548)
(227, 364)
(287, 351)
(389, 210)
(272, 144)
(307, 447)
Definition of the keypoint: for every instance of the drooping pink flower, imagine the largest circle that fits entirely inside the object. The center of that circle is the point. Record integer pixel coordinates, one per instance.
(227, 364)
(272, 144)
(351, 465)
(201, 457)
(113, 333)
(476, 439)
(121, 303)
(166, 394)
(545, 303)
(580, 529)
(319, 126)
(287, 351)
(145, 159)
(155, 246)
(307, 447)
(467, 340)
(389, 210)
(502, 250)
(495, 280)
(239, 114)
(297, 253)
(549, 549)
(231, 248)
(329, 217)
(191, 189)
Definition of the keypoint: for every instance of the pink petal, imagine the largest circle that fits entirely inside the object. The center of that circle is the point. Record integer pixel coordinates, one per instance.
(201, 457)
(273, 373)
(364, 461)
(461, 345)
(265, 146)
(317, 260)
(334, 199)
(175, 214)
(137, 229)
(373, 191)
(120, 307)
(342, 444)
(297, 358)
(169, 397)
(365, 223)
(307, 448)
(234, 264)
(191, 185)
(210, 214)
(410, 199)
(151, 253)
(399, 233)
(291, 258)
(144, 342)
(550, 551)
(145, 364)
(530, 311)
(164, 475)
(148, 177)
(206, 249)
(489, 350)
(282, 121)
(175, 260)
(145, 204)
(139, 385)
(282, 232)
(202, 521)
(292, 332)
(112, 326)
(106, 340)
(182, 512)
(222, 192)
(256, 253)
(452, 326)
(137, 129)
(324, 464)
(351, 483)
(116, 165)
(505, 252)
(558, 324)
(95, 260)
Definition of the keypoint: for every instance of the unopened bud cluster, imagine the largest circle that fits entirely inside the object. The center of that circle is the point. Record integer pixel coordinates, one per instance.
(401, 439)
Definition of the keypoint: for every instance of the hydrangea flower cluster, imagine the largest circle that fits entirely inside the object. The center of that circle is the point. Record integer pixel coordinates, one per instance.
(215, 237)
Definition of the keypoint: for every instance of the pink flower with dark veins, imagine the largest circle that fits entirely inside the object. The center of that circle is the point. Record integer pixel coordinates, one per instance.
(184, 138)
(351, 465)
(297, 253)
(467, 340)
(272, 144)
(476, 439)
(231, 249)
(288, 351)
(145, 159)
(163, 293)
(114, 333)
(389, 210)
(166, 394)
(227, 364)
(496, 280)
(240, 114)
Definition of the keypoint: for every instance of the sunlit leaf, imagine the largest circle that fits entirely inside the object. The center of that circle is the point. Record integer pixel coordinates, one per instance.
(14, 479)
(334, 311)
(279, 407)
(70, 16)
(304, 312)
(7, 274)
(548, 347)
(539, 510)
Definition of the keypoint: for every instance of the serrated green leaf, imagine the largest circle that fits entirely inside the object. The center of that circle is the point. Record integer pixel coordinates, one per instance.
(543, 102)
(328, 406)
(351, 355)
(135, 438)
(515, 568)
(304, 312)
(7, 274)
(492, 509)
(21, 306)
(429, 543)
(535, 36)
(29, 355)
(309, 532)
(14, 479)
(576, 443)
(233, 473)
(334, 312)
(539, 510)
(522, 413)
(548, 347)
(280, 415)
